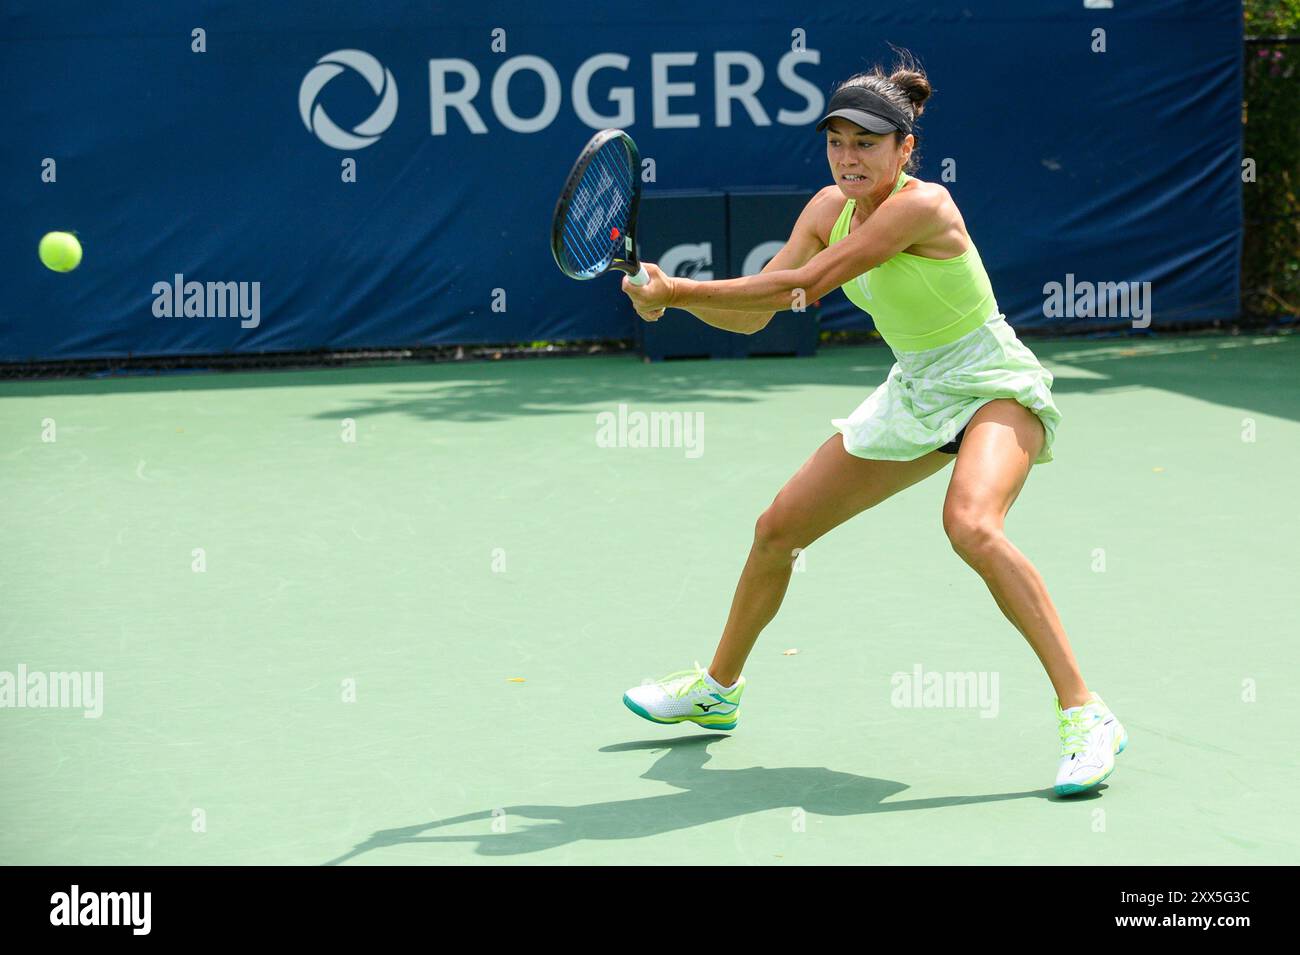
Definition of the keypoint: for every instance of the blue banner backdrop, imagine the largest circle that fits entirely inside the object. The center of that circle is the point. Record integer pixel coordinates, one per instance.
(206, 143)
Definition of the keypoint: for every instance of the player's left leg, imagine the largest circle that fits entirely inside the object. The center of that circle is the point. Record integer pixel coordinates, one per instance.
(999, 447)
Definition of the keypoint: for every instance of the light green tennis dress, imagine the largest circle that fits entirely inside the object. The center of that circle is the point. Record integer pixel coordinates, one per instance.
(953, 351)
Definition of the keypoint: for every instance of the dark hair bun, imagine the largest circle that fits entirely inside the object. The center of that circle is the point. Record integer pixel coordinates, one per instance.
(914, 84)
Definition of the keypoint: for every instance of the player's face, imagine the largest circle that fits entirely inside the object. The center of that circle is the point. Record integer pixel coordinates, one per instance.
(864, 163)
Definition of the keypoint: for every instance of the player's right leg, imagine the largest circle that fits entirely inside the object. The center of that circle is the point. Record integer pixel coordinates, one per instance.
(831, 487)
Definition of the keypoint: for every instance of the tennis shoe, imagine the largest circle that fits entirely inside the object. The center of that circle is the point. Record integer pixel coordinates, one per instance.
(1091, 738)
(687, 696)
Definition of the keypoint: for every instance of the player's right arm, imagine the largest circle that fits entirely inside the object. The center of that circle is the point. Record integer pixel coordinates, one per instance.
(804, 242)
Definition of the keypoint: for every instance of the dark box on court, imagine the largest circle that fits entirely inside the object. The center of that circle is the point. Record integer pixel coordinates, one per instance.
(685, 234)
(715, 235)
(758, 223)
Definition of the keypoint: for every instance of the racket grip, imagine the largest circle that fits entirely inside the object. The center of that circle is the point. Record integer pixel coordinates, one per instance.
(641, 277)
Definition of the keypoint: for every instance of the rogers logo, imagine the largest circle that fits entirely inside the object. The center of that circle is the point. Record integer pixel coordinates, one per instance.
(317, 120)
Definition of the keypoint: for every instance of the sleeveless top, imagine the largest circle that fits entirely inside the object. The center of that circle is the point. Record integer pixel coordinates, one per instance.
(919, 303)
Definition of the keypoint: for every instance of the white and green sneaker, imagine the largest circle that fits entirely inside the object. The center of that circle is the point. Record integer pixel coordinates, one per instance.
(688, 695)
(1091, 738)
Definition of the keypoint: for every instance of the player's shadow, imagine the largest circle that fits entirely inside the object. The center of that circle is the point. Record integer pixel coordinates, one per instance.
(707, 796)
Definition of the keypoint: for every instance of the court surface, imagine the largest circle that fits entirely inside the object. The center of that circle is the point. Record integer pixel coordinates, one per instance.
(311, 647)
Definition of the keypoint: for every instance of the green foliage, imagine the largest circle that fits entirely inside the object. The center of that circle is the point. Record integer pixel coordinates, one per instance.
(1271, 116)
(1271, 17)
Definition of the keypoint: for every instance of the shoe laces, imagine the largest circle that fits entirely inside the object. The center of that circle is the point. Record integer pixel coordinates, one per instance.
(682, 682)
(1074, 729)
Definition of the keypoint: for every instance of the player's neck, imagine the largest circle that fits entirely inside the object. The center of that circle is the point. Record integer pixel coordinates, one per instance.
(858, 216)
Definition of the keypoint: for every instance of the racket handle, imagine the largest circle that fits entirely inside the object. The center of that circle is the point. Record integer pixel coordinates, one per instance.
(641, 277)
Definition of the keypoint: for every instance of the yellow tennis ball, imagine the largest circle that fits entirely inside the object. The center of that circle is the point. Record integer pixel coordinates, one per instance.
(60, 251)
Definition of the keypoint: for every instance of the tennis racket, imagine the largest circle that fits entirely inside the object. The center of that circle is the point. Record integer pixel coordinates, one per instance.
(594, 227)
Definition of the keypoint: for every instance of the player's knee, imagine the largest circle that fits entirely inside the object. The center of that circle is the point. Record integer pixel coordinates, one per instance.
(776, 537)
(973, 535)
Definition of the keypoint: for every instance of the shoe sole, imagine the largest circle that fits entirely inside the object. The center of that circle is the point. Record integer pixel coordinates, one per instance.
(1069, 789)
(639, 711)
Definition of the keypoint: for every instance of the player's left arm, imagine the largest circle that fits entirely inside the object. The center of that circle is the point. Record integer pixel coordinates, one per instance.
(903, 220)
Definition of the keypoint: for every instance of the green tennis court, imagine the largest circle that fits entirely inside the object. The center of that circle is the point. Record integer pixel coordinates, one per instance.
(387, 614)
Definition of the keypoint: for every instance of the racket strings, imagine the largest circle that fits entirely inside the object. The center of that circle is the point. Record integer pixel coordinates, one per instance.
(593, 231)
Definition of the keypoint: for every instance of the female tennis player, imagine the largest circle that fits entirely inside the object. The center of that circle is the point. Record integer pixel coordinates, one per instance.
(963, 386)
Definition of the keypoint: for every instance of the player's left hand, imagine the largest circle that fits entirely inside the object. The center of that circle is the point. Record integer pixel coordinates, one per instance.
(650, 299)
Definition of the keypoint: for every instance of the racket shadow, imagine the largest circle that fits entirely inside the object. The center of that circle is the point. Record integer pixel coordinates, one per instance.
(707, 796)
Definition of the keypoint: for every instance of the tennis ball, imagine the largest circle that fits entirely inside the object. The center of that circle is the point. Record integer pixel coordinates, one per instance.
(60, 251)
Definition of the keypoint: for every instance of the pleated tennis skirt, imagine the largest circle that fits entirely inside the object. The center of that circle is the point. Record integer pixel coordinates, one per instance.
(930, 395)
